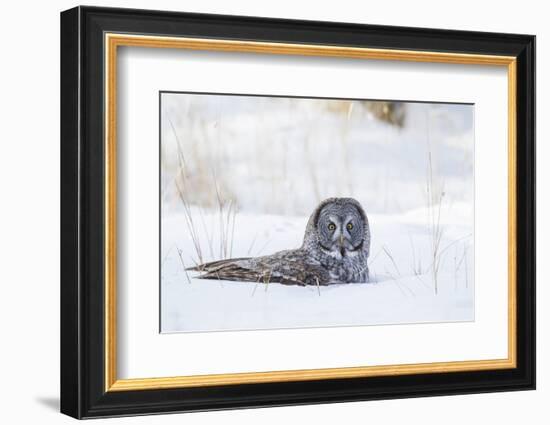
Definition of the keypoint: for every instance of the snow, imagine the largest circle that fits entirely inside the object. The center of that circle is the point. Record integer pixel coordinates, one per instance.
(396, 294)
(289, 154)
(271, 161)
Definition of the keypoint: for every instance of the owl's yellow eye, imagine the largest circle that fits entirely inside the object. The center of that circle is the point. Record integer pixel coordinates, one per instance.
(331, 227)
(349, 226)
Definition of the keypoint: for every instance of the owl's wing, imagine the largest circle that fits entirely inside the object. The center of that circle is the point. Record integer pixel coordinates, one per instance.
(287, 268)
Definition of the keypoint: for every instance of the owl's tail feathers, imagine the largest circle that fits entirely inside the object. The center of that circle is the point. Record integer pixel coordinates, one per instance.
(237, 273)
(213, 265)
(233, 273)
(230, 269)
(243, 270)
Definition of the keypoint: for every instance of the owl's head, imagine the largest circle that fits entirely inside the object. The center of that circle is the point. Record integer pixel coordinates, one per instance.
(339, 226)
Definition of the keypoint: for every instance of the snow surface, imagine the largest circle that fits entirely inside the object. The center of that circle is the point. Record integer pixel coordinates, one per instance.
(273, 160)
(396, 294)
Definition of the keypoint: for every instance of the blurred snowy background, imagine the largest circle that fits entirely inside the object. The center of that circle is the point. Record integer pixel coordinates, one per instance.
(240, 175)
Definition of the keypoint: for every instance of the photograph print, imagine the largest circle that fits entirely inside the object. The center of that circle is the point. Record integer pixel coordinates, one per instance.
(290, 212)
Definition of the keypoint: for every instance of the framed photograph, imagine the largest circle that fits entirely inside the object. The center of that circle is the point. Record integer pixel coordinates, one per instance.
(261, 212)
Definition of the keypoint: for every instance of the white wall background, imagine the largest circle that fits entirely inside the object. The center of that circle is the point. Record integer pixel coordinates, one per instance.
(29, 225)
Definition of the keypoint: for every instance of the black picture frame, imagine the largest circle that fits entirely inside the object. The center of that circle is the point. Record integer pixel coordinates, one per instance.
(83, 392)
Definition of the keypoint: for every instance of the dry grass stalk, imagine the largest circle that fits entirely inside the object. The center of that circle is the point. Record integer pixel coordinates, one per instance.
(268, 280)
(264, 246)
(226, 213)
(191, 226)
(392, 277)
(318, 288)
(434, 210)
(416, 266)
(183, 265)
(166, 256)
(252, 244)
(387, 252)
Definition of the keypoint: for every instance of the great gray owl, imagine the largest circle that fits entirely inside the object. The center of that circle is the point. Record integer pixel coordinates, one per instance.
(335, 250)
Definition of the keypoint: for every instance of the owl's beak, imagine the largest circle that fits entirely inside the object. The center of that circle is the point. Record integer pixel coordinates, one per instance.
(341, 243)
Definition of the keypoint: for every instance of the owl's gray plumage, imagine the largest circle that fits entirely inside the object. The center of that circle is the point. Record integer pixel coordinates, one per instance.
(335, 250)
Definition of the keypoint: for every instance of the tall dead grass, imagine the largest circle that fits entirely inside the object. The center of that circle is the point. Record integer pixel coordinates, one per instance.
(218, 237)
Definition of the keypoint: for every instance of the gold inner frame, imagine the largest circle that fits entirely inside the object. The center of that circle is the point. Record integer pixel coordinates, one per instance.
(113, 41)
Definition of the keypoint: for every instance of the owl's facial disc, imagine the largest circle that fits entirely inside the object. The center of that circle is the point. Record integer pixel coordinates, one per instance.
(340, 232)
